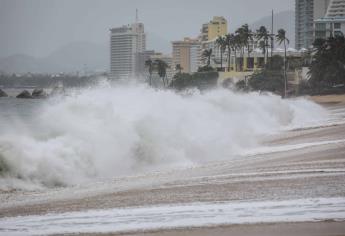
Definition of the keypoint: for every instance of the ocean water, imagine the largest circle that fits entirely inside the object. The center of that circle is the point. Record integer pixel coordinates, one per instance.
(111, 131)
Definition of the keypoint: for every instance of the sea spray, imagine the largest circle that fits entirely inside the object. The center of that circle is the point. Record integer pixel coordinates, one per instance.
(106, 132)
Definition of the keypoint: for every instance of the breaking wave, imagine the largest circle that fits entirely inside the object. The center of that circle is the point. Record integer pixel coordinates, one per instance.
(108, 131)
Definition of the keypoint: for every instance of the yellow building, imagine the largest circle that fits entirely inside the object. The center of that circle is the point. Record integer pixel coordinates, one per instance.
(218, 26)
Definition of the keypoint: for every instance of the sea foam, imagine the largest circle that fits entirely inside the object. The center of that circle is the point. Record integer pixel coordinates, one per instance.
(111, 131)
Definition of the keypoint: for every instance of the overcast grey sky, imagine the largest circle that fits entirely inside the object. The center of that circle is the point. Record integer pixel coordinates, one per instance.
(38, 27)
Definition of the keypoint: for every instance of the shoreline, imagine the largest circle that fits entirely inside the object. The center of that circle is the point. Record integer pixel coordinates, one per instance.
(183, 217)
(309, 172)
(323, 228)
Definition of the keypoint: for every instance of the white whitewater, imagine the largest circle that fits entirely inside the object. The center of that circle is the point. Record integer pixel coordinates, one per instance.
(176, 216)
(107, 132)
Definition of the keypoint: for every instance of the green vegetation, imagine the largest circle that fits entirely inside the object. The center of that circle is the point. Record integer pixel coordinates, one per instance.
(230, 44)
(149, 65)
(201, 80)
(327, 70)
(160, 67)
(242, 40)
(281, 38)
(178, 68)
(206, 55)
(326, 62)
(270, 79)
(263, 37)
(221, 44)
(162, 71)
(206, 69)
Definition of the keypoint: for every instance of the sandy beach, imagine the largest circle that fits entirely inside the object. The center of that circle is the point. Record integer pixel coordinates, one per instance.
(287, 229)
(306, 163)
(329, 99)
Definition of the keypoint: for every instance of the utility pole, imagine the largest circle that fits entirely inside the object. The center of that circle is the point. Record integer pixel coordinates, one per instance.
(272, 34)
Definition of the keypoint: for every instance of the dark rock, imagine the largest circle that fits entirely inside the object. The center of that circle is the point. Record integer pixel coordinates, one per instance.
(24, 94)
(39, 93)
(3, 94)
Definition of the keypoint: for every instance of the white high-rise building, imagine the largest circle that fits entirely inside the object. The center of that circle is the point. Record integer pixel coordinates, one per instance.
(126, 43)
(336, 9)
(307, 11)
(333, 23)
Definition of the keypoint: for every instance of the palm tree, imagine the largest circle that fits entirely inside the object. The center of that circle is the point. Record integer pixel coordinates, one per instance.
(221, 44)
(327, 67)
(207, 55)
(236, 44)
(229, 41)
(262, 35)
(247, 39)
(281, 38)
(150, 65)
(262, 46)
(319, 44)
(240, 42)
(179, 68)
(162, 69)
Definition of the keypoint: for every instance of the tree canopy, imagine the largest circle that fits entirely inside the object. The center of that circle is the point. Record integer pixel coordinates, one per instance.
(327, 69)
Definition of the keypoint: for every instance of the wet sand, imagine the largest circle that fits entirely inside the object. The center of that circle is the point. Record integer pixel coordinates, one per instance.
(281, 229)
(316, 170)
(329, 99)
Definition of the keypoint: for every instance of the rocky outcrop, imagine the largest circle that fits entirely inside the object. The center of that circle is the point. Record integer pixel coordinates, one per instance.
(39, 93)
(3, 94)
(24, 94)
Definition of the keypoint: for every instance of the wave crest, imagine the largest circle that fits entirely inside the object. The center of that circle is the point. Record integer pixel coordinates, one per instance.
(105, 132)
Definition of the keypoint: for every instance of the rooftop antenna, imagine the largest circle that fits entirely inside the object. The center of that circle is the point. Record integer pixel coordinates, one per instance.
(136, 16)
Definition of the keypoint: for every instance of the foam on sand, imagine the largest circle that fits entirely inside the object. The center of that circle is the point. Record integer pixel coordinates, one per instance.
(177, 216)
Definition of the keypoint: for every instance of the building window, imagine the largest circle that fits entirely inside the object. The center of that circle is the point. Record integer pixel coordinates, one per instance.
(338, 33)
(337, 25)
(320, 26)
(320, 34)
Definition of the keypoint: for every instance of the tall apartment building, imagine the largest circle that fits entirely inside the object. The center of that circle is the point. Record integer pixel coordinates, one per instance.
(333, 23)
(336, 9)
(187, 53)
(307, 11)
(218, 26)
(204, 33)
(126, 43)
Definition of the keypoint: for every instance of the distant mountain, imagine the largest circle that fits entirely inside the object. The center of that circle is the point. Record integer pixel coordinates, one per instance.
(282, 20)
(77, 56)
(80, 56)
